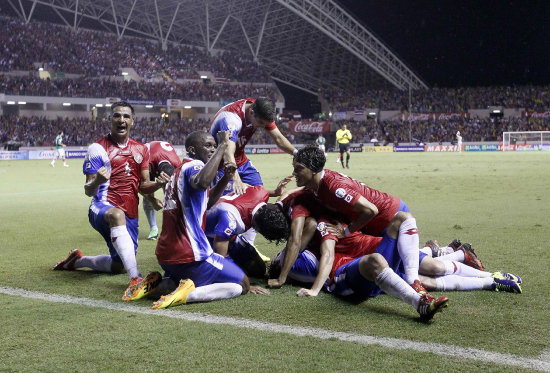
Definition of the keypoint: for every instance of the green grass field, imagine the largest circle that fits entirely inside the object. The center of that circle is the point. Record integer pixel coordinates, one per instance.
(498, 201)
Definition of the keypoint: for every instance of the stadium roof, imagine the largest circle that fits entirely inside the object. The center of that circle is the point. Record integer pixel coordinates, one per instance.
(308, 44)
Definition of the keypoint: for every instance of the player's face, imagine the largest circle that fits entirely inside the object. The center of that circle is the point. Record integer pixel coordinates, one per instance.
(121, 121)
(302, 174)
(205, 149)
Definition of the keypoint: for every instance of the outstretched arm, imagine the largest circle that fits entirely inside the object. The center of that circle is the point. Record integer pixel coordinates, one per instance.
(291, 252)
(281, 141)
(325, 266)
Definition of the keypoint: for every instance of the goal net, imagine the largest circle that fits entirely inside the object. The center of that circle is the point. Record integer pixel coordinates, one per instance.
(537, 140)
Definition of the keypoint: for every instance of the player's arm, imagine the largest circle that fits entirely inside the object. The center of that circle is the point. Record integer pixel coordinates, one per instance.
(367, 211)
(238, 186)
(146, 186)
(348, 135)
(281, 141)
(291, 252)
(221, 245)
(93, 181)
(203, 178)
(229, 170)
(157, 203)
(325, 266)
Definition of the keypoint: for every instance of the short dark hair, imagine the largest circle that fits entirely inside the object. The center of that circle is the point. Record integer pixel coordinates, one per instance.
(60, 132)
(312, 157)
(167, 167)
(264, 109)
(122, 104)
(271, 222)
(194, 137)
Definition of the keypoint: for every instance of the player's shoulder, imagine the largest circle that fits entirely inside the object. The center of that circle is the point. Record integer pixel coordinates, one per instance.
(98, 149)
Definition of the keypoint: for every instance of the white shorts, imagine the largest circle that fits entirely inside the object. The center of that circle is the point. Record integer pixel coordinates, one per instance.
(322, 147)
(60, 153)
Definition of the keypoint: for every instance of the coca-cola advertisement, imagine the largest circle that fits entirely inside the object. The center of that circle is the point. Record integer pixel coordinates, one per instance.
(309, 126)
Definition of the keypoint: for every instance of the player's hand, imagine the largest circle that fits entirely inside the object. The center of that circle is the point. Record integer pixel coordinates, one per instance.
(282, 185)
(306, 293)
(102, 175)
(229, 169)
(258, 290)
(223, 136)
(239, 187)
(163, 178)
(158, 204)
(274, 283)
(336, 229)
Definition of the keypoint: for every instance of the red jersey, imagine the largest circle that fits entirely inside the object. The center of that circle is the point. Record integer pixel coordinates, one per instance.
(231, 117)
(125, 165)
(302, 203)
(159, 152)
(246, 203)
(339, 193)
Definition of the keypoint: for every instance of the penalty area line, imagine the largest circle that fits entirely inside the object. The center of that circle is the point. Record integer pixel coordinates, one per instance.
(391, 343)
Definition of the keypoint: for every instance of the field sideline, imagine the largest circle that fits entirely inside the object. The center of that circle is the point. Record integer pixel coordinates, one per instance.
(497, 201)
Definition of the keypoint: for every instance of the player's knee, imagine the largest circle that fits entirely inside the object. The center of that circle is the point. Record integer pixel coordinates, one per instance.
(432, 267)
(115, 217)
(371, 265)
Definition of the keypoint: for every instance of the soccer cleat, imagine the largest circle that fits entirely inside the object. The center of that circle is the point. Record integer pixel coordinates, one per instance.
(67, 264)
(65, 165)
(436, 249)
(508, 286)
(455, 244)
(506, 276)
(138, 290)
(429, 306)
(52, 165)
(177, 297)
(418, 287)
(470, 257)
(265, 259)
(153, 234)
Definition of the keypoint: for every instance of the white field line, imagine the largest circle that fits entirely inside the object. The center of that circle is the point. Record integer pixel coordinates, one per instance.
(541, 364)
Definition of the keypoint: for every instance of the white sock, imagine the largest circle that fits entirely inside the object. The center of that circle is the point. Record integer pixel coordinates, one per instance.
(250, 235)
(426, 250)
(390, 283)
(460, 269)
(100, 263)
(407, 245)
(124, 247)
(453, 282)
(151, 215)
(207, 293)
(457, 256)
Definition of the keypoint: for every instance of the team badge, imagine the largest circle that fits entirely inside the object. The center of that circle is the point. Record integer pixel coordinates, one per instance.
(340, 193)
(138, 158)
(228, 232)
(322, 228)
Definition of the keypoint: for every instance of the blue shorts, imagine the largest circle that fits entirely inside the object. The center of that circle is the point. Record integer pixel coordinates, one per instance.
(402, 207)
(215, 269)
(349, 281)
(248, 173)
(96, 215)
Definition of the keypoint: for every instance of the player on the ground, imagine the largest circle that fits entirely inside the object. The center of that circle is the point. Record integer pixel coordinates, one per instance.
(362, 207)
(162, 157)
(243, 118)
(116, 168)
(59, 150)
(343, 137)
(183, 250)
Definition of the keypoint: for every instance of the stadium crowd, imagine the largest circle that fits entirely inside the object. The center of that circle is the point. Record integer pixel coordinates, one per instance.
(94, 54)
(441, 100)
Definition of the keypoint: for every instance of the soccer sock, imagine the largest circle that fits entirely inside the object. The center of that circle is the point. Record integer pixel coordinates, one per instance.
(207, 293)
(426, 250)
(100, 263)
(457, 256)
(407, 246)
(454, 282)
(347, 159)
(391, 283)
(151, 215)
(460, 269)
(124, 247)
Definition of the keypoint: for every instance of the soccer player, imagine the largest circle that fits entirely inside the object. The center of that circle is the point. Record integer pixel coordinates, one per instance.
(183, 250)
(162, 157)
(320, 142)
(459, 141)
(59, 150)
(234, 214)
(116, 168)
(243, 118)
(343, 137)
(362, 207)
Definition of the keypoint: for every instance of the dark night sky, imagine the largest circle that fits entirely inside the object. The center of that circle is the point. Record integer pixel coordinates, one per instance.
(463, 42)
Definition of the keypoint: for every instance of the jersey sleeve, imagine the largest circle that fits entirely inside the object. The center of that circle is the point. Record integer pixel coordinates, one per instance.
(96, 157)
(226, 226)
(226, 121)
(146, 157)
